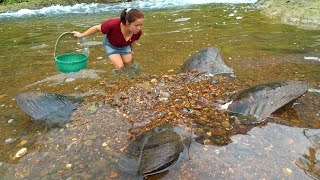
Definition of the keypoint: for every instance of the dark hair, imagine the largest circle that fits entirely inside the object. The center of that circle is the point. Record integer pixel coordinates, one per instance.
(131, 15)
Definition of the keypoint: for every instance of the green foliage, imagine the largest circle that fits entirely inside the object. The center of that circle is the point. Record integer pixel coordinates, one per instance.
(12, 1)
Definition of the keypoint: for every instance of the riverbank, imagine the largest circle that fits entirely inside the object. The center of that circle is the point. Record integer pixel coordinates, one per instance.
(38, 4)
(303, 14)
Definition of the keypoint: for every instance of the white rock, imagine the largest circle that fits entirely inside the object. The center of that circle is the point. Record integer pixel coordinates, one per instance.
(21, 152)
(69, 80)
(9, 140)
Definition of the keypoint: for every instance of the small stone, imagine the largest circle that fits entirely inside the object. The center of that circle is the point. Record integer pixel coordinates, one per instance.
(213, 81)
(114, 175)
(69, 80)
(165, 94)
(225, 125)
(122, 150)
(287, 171)
(68, 166)
(23, 142)
(163, 99)
(154, 81)
(10, 121)
(206, 142)
(60, 171)
(21, 152)
(105, 144)
(9, 140)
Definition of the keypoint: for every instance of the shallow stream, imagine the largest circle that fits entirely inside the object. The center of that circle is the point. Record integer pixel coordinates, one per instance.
(257, 48)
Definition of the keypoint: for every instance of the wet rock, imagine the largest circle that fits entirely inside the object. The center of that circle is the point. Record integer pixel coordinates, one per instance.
(225, 125)
(23, 142)
(21, 152)
(9, 140)
(92, 109)
(154, 81)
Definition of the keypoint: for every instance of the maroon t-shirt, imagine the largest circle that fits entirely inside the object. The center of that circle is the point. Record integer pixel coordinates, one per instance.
(112, 29)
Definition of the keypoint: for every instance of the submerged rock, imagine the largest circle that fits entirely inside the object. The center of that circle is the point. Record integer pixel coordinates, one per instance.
(155, 151)
(258, 102)
(49, 108)
(207, 61)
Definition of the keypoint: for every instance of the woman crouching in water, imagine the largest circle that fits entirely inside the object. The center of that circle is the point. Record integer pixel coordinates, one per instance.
(119, 36)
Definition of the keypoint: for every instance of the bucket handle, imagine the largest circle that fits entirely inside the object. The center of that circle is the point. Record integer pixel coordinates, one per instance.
(55, 47)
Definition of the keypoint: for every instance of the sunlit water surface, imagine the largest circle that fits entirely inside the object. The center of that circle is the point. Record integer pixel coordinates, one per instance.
(258, 49)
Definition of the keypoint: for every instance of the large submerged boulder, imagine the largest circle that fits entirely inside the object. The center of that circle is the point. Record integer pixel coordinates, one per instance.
(207, 61)
(259, 102)
(47, 108)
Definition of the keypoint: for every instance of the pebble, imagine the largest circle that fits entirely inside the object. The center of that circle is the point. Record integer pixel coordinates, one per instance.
(287, 171)
(21, 152)
(10, 121)
(114, 175)
(165, 94)
(68, 166)
(163, 99)
(206, 142)
(105, 144)
(213, 81)
(225, 125)
(69, 80)
(154, 81)
(9, 140)
(23, 142)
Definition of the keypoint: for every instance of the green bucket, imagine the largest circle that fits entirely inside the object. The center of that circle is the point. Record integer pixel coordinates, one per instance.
(70, 61)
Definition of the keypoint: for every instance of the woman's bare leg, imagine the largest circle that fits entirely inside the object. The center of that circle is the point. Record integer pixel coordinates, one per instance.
(126, 58)
(117, 61)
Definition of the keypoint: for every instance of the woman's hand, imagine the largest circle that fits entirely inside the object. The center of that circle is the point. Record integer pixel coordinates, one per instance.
(77, 34)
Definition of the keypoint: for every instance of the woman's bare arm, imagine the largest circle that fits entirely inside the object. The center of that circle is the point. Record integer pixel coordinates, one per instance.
(88, 32)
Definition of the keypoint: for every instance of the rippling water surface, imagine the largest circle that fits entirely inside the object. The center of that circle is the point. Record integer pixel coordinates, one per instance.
(257, 48)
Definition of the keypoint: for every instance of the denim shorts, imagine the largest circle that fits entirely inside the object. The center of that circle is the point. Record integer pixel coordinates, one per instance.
(110, 49)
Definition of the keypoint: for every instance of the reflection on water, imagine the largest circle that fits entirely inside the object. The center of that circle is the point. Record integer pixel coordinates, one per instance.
(258, 50)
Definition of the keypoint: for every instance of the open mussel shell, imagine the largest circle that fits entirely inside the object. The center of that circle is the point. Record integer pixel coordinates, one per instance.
(155, 151)
(47, 108)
